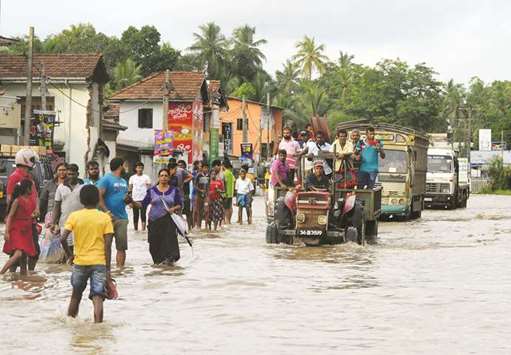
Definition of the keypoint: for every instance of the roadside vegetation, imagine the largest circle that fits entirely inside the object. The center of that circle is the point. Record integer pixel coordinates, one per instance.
(308, 84)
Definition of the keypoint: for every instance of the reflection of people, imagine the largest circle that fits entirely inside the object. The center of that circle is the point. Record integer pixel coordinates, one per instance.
(369, 151)
(317, 180)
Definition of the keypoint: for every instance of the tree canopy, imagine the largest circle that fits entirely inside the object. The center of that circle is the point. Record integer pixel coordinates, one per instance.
(308, 84)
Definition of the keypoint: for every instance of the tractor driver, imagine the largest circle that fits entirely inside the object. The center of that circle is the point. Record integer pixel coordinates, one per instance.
(317, 180)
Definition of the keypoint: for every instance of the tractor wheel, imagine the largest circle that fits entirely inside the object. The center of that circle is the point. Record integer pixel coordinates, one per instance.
(351, 234)
(272, 234)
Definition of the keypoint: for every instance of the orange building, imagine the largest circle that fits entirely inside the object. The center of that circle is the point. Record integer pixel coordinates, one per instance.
(258, 133)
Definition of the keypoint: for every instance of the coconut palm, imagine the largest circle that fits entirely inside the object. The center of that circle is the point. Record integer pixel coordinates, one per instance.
(211, 48)
(126, 73)
(246, 55)
(310, 57)
(287, 79)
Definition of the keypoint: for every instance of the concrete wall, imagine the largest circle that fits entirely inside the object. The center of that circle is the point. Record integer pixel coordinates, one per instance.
(257, 132)
(134, 136)
(73, 131)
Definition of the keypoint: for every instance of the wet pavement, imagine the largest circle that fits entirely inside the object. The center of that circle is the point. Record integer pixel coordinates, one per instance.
(440, 284)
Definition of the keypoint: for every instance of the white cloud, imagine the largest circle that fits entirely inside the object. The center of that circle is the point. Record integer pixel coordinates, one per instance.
(459, 39)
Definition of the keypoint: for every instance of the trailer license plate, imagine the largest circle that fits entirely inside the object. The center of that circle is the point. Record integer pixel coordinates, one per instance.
(428, 199)
(309, 233)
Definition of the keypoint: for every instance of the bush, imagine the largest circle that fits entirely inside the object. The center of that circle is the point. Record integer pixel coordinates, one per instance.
(500, 175)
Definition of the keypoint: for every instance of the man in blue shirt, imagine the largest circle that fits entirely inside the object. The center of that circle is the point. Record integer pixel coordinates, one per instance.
(113, 192)
(369, 151)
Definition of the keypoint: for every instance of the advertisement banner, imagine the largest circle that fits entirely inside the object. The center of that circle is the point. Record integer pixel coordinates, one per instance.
(180, 120)
(42, 126)
(213, 144)
(197, 129)
(227, 134)
(247, 152)
(163, 146)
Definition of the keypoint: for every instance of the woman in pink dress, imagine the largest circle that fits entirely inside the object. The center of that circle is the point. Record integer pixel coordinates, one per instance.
(18, 227)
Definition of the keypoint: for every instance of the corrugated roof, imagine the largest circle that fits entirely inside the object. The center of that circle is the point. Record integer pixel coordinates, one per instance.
(185, 86)
(84, 66)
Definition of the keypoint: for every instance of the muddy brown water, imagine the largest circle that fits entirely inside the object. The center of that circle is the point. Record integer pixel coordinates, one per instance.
(438, 285)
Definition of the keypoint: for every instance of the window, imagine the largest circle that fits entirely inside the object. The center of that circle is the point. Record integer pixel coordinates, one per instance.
(145, 118)
(395, 162)
(239, 124)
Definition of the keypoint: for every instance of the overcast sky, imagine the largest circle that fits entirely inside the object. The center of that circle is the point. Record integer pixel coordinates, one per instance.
(460, 39)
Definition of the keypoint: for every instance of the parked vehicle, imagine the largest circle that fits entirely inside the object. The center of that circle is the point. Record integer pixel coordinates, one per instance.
(402, 174)
(322, 217)
(448, 181)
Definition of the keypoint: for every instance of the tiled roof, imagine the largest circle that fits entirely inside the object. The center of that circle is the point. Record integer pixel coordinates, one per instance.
(185, 86)
(83, 66)
(6, 41)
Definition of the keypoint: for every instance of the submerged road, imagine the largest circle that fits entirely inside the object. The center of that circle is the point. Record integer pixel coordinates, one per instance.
(440, 284)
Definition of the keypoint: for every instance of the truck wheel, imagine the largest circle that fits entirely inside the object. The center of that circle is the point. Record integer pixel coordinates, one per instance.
(464, 202)
(416, 214)
(371, 230)
(272, 234)
(351, 234)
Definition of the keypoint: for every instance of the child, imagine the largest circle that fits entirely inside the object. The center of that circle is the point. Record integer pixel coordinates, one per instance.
(92, 231)
(244, 190)
(201, 186)
(216, 207)
(18, 237)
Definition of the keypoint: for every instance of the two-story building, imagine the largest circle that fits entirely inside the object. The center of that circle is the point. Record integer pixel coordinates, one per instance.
(74, 92)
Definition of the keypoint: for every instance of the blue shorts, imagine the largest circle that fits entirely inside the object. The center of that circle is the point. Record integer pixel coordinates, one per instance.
(97, 276)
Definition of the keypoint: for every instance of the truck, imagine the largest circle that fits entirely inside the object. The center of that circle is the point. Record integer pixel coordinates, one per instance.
(402, 174)
(448, 178)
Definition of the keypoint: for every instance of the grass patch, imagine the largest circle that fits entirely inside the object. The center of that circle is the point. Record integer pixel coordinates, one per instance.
(489, 191)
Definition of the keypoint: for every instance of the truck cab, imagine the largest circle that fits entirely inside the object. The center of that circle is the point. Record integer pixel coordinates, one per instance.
(402, 173)
(447, 182)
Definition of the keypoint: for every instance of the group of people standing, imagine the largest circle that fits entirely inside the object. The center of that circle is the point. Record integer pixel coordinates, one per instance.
(356, 159)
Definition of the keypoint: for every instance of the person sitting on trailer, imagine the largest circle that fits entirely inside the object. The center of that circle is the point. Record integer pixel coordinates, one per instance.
(280, 171)
(317, 180)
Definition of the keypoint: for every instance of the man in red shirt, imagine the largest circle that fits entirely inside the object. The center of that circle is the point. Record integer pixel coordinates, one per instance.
(25, 160)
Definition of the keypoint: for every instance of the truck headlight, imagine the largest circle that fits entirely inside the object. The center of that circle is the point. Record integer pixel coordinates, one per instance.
(393, 201)
(445, 190)
(300, 218)
(322, 220)
(402, 201)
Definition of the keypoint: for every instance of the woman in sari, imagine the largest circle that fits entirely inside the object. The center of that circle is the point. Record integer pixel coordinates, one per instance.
(162, 236)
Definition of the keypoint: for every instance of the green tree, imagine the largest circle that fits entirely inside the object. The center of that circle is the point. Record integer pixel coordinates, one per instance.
(126, 73)
(310, 57)
(245, 90)
(211, 47)
(246, 56)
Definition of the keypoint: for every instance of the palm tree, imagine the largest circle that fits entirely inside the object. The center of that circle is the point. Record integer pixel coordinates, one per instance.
(310, 57)
(126, 73)
(246, 55)
(211, 48)
(287, 79)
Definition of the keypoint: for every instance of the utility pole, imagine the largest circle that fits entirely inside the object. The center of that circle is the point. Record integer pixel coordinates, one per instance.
(268, 120)
(245, 121)
(28, 97)
(43, 88)
(502, 144)
(469, 133)
(166, 92)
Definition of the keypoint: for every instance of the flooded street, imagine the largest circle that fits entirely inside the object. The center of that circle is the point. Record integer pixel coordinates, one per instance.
(440, 284)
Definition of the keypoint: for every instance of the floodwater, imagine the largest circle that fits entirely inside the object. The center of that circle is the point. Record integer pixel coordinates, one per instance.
(438, 285)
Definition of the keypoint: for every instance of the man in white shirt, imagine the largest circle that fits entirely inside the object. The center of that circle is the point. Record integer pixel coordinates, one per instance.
(313, 148)
(138, 185)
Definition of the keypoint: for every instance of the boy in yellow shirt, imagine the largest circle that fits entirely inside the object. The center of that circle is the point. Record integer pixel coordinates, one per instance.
(92, 231)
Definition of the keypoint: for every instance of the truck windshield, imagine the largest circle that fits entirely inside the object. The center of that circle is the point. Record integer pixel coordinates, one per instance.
(395, 162)
(439, 164)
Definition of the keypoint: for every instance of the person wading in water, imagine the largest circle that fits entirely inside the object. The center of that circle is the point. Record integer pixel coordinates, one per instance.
(162, 235)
